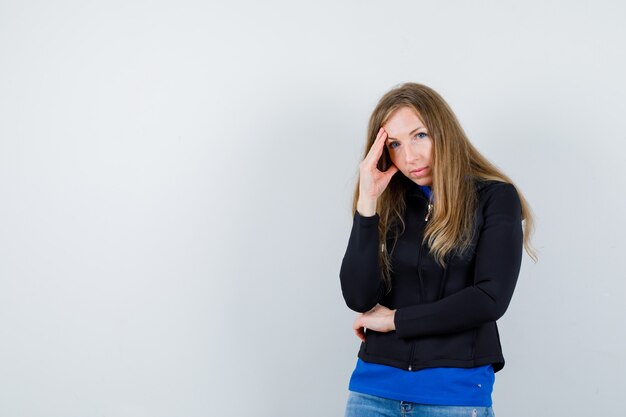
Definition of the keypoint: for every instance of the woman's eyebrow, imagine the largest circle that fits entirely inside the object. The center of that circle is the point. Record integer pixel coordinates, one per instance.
(413, 131)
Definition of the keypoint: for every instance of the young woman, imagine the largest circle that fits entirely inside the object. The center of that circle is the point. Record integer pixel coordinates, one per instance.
(432, 261)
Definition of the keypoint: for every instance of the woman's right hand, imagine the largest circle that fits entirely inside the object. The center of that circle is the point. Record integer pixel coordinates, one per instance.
(372, 181)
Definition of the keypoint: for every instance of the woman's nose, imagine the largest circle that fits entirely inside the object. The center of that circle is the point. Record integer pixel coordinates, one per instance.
(410, 153)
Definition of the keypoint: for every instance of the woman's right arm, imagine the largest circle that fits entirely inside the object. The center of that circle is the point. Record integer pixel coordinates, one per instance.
(361, 282)
(360, 275)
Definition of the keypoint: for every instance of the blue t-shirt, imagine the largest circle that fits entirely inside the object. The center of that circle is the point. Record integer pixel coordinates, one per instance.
(440, 386)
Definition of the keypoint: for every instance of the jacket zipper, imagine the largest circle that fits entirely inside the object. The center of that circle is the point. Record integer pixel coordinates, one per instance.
(430, 209)
(419, 253)
(419, 275)
(421, 297)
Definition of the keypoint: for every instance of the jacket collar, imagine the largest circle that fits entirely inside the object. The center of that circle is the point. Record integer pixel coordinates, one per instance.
(415, 190)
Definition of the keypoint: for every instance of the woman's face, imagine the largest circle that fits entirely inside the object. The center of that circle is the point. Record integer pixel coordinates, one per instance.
(410, 145)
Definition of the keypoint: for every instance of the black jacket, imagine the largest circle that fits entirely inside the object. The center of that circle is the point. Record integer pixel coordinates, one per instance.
(445, 317)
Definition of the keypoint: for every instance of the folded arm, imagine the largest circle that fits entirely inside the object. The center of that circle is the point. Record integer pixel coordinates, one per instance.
(498, 260)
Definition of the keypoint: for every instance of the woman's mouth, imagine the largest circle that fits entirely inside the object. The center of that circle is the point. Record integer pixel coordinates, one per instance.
(419, 171)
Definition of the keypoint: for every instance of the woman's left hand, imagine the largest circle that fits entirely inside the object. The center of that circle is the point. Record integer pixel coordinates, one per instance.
(379, 318)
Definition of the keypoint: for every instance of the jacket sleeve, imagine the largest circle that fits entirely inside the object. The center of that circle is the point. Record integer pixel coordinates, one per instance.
(498, 261)
(361, 282)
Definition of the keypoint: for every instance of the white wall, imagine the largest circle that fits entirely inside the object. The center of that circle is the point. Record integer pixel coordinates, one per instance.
(176, 179)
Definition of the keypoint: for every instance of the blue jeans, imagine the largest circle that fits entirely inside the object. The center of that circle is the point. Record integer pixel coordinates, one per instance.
(366, 405)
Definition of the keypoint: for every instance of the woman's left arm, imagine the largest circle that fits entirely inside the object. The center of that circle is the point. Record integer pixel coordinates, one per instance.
(498, 261)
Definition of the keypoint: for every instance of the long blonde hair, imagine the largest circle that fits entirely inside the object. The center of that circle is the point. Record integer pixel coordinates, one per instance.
(455, 159)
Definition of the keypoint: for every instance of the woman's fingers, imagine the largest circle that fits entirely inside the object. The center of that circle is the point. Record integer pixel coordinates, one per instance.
(372, 182)
(377, 148)
(391, 171)
(360, 333)
(359, 330)
(370, 176)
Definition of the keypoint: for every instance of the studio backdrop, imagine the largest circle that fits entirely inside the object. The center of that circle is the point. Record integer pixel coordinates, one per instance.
(176, 182)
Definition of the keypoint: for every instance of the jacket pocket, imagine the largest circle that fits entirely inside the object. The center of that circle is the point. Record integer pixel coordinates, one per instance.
(387, 345)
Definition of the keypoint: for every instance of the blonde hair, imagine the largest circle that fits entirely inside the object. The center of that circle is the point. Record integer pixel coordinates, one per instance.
(455, 159)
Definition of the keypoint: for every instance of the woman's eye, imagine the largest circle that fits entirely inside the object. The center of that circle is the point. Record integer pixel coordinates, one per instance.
(391, 145)
(421, 135)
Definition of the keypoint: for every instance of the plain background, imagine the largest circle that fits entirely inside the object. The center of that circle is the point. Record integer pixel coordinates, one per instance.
(176, 183)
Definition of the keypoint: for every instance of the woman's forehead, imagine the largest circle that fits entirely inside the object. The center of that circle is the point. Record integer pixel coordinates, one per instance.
(403, 122)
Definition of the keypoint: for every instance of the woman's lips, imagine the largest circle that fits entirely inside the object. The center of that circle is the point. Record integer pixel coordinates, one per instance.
(419, 171)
